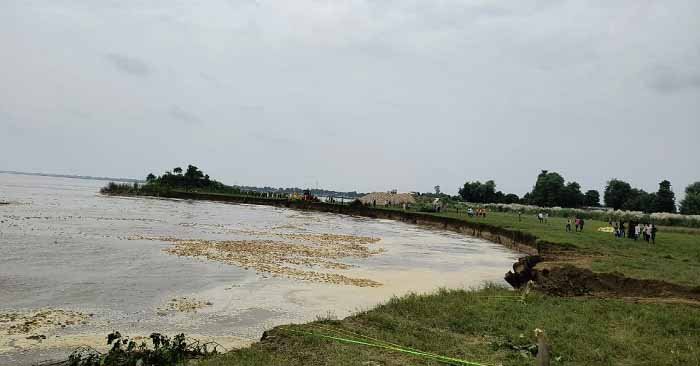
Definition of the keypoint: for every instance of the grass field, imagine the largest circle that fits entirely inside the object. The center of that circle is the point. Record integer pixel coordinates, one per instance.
(489, 327)
(674, 258)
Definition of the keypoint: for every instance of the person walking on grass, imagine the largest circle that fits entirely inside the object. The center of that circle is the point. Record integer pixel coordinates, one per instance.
(653, 233)
(540, 217)
(568, 225)
(581, 224)
(648, 231)
(637, 231)
(577, 221)
(630, 231)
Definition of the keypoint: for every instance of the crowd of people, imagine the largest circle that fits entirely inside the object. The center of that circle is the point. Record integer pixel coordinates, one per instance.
(479, 212)
(635, 231)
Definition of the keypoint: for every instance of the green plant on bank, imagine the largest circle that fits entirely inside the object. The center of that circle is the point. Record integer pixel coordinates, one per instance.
(486, 327)
(126, 352)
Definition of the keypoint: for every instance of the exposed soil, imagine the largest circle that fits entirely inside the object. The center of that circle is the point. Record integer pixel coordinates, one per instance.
(570, 280)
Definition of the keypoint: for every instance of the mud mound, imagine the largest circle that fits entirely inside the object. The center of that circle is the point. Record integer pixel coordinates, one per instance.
(569, 280)
(574, 281)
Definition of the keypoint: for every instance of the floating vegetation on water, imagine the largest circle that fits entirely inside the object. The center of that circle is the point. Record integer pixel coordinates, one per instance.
(184, 305)
(300, 257)
(34, 325)
(27, 322)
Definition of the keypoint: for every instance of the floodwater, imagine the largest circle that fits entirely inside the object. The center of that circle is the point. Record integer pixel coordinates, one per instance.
(93, 264)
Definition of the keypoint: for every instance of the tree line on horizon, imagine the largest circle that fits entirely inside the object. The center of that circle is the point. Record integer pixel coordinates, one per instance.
(551, 190)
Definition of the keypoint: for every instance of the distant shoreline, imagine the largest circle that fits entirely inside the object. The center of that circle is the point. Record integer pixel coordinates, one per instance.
(86, 177)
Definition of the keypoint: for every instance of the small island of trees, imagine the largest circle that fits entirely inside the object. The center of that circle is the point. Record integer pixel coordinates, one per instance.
(192, 179)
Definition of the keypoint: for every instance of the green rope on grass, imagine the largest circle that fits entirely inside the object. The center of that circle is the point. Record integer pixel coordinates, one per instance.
(378, 341)
(443, 359)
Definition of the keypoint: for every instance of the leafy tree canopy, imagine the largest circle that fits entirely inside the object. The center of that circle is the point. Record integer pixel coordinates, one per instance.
(592, 198)
(665, 200)
(691, 203)
(617, 192)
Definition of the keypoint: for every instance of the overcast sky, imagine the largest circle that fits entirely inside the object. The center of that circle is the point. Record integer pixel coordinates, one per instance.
(357, 95)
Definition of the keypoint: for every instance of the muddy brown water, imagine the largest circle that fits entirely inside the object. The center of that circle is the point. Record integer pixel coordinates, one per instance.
(75, 265)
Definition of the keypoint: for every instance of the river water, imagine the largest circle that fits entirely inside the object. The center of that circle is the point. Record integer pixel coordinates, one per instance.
(93, 264)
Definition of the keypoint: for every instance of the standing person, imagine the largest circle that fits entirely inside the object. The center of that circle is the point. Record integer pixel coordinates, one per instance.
(644, 232)
(616, 229)
(622, 229)
(653, 233)
(577, 221)
(582, 223)
(520, 214)
(630, 230)
(540, 217)
(648, 231)
(637, 230)
(568, 225)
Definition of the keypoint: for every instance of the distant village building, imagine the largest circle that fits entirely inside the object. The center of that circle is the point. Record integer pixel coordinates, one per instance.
(388, 198)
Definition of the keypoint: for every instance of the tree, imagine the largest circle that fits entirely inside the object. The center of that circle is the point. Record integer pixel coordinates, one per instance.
(691, 203)
(193, 173)
(437, 190)
(478, 192)
(665, 200)
(639, 200)
(571, 196)
(511, 198)
(150, 177)
(547, 191)
(470, 191)
(591, 198)
(177, 170)
(488, 192)
(617, 192)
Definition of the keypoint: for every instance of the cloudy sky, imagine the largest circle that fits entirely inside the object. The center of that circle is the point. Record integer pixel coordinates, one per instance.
(365, 94)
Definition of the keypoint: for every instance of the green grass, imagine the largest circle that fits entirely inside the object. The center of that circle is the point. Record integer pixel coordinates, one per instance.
(674, 258)
(482, 327)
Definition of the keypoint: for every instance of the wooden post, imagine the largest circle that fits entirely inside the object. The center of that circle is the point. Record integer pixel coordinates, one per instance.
(542, 348)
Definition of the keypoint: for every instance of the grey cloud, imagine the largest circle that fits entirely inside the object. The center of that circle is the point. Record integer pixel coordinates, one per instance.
(669, 80)
(129, 64)
(267, 137)
(182, 115)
